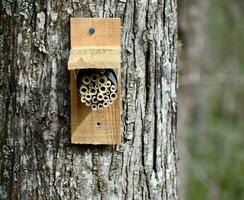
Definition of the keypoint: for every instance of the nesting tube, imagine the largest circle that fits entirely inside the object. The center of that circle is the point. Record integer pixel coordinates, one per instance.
(102, 89)
(102, 71)
(113, 96)
(90, 85)
(94, 100)
(110, 101)
(88, 103)
(94, 107)
(92, 90)
(86, 80)
(100, 96)
(108, 84)
(83, 99)
(94, 77)
(100, 105)
(102, 80)
(105, 104)
(83, 90)
(97, 88)
(107, 92)
(88, 97)
(105, 98)
(113, 88)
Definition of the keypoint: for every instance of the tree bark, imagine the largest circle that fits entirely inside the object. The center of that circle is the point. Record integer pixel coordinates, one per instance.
(37, 159)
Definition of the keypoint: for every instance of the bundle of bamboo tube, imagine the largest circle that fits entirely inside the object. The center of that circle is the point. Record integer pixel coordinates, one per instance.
(97, 87)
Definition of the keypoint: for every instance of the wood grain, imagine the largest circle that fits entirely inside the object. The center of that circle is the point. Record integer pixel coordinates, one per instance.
(101, 126)
(107, 32)
(85, 126)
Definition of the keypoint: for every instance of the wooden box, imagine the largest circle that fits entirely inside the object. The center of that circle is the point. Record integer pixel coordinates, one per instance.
(97, 50)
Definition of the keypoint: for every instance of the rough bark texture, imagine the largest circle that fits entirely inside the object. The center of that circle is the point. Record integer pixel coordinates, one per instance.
(37, 159)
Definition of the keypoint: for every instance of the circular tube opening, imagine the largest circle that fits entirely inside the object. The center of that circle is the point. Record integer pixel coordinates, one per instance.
(100, 106)
(113, 88)
(94, 107)
(105, 104)
(100, 97)
(113, 96)
(106, 98)
(103, 89)
(86, 80)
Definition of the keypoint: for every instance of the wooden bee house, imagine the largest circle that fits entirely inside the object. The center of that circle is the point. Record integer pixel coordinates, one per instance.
(95, 44)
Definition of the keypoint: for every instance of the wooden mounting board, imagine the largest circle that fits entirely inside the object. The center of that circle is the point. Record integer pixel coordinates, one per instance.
(101, 126)
(107, 32)
(84, 121)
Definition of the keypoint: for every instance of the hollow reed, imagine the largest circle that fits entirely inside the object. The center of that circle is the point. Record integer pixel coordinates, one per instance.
(97, 88)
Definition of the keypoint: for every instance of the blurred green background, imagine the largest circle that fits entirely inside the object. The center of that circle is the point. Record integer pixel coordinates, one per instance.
(211, 127)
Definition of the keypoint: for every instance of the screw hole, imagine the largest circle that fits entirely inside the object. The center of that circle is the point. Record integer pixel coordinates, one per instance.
(98, 124)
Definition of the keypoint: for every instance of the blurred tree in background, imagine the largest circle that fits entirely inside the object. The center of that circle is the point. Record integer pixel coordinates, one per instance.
(214, 84)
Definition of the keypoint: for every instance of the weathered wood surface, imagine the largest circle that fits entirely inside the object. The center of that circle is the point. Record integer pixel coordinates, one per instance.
(84, 128)
(37, 160)
(107, 32)
(94, 127)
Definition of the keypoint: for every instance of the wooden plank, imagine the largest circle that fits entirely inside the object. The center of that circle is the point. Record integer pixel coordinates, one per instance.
(101, 126)
(94, 127)
(107, 32)
(93, 56)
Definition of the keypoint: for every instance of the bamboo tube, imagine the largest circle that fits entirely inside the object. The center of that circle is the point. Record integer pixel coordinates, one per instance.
(107, 92)
(94, 100)
(108, 84)
(100, 105)
(105, 98)
(100, 96)
(83, 90)
(91, 85)
(94, 77)
(102, 71)
(92, 90)
(97, 86)
(113, 96)
(88, 97)
(105, 104)
(102, 80)
(83, 99)
(94, 107)
(113, 88)
(102, 89)
(86, 80)
(110, 101)
(88, 103)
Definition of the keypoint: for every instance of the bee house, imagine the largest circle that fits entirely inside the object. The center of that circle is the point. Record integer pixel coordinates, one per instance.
(94, 65)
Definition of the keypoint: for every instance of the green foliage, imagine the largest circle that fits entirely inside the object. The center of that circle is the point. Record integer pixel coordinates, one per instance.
(226, 32)
(216, 167)
(217, 164)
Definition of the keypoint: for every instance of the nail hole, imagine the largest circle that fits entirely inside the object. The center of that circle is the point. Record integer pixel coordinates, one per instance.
(98, 124)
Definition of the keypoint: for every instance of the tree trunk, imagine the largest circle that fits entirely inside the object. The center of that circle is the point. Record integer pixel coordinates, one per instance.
(37, 159)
